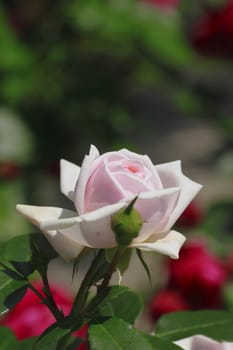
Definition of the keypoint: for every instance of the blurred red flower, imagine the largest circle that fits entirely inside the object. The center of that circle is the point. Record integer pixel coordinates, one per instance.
(30, 317)
(191, 217)
(167, 301)
(213, 33)
(9, 170)
(199, 275)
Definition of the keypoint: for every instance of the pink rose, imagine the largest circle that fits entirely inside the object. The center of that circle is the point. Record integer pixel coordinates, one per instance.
(102, 186)
(200, 342)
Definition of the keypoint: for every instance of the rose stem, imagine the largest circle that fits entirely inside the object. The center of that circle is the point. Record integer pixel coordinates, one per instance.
(80, 299)
(111, 268)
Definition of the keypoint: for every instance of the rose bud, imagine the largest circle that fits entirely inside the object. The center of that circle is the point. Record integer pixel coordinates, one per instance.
(126, 224)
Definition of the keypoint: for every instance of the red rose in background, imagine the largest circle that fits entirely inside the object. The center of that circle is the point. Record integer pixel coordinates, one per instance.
(9, 170)
(213, 33)
(167, 301)
(30, 317)
(191, 217)
(165, 4)
(199, 275)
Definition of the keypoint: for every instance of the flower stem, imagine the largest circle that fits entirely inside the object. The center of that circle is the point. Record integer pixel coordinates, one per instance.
(81, 297)
(58, 314)
(111, 268)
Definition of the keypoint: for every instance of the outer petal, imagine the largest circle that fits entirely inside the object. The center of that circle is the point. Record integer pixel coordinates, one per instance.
(198, 342)
(65, 246)
(171, 176)
(83, 178)
(168, 243)
(92, 229)
(185, 344)
(155, 208)
(96, 226)
(68, 178)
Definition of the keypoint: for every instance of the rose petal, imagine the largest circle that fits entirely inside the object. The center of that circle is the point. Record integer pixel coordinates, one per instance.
(92, 229)
(83, 178)
(65, 246)
(68, 178)
(167, 243)
(185, 344)
(147, 163)
(198, 342)
(155, 208)
(102, 190)
(96, 227)
(171, 176)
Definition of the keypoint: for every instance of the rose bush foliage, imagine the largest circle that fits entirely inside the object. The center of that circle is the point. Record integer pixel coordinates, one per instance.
(103, 185)
(30, 317)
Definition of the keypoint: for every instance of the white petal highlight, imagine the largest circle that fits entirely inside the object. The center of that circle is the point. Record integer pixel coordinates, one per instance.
(167, 243)
(155, 208)
(69, 173)
(65, 246)
(83, 178)
(92, 229)
(171, 176)
(96, 226)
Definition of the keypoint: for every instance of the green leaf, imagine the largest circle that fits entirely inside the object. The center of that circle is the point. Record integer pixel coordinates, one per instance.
(214, 324)
(118, 302)
(17, 249)
(115, 334)
(17, 253)
(39, 244)
(9, 342)
(50, 339)
(11, 292)
(161, 344)
(7, 339)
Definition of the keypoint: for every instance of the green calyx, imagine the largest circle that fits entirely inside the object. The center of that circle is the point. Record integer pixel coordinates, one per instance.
(126, 224)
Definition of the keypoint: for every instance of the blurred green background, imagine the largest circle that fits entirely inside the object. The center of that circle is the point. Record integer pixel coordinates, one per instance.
(143, 74)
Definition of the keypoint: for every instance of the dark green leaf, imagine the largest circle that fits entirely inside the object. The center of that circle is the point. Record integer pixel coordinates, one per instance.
(8, 288)
(9, 342)
(119, 302)
(115, 334)
(214, 324)
(39, 244)
(17, 249)
(161, 344)
(51, 339)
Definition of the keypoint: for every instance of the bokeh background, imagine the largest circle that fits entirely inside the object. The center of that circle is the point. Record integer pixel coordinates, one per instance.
(155, 76)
